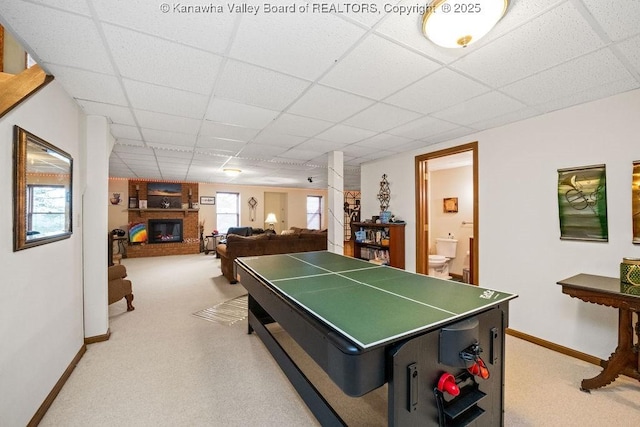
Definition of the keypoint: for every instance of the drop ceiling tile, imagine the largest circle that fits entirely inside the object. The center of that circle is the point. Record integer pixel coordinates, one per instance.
(411, 146)
(124, 131)
(183, 156)
(261, 151)
(619, 19)
(295, 154)
(90, 86)
(154, 137)
(220, 130)
(258, 86)
(381, 117)
(329, 104)
(377, 67)
(116, 113)
(629, 49)
(320, 145)
(73, 6)
(132, 150)
(358, 151)
(591, 94)
(223, 146)
(421, 128)
(144, 96)
(345, 134)
(504, 119)
(278, 140)
(483, 107)
(159, 121)
(368, 13)
(303, 46)
(365, 154)
(518, 13)
(437, 91)
(549, 40)
(291, 124)
(592, 70)
(174, 65)
(236, 113)
(208, 31)
(449, 135)
(173, 176)
(47, 33)
(382, 141)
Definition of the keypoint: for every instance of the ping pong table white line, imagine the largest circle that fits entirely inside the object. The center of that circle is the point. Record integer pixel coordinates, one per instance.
(340, 273)
(387, 338)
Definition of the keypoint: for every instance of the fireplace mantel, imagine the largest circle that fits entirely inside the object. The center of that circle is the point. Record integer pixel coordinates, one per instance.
(142, 211)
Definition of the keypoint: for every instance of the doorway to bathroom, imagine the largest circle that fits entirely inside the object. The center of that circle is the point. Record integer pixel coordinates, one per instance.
(447, 207)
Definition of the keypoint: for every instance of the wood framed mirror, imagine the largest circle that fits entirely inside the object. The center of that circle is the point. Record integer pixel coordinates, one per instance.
(42, 191)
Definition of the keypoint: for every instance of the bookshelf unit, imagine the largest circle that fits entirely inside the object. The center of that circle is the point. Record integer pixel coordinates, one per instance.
(386, 240)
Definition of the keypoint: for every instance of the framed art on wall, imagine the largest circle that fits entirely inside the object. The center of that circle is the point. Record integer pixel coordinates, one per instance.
(635, 202)
(207, 200)
(450, 204)
(582, 203)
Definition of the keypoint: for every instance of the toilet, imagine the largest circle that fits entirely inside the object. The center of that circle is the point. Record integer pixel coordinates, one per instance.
(439, 263)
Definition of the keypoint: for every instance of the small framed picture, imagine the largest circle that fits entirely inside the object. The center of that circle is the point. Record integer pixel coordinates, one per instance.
(133, 202)
(207, 200)
(142, 204)
(451, 204)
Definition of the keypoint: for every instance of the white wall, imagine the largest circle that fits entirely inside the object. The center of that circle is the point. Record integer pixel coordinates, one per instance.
(41, 320)
(95, 196)
(520, 248)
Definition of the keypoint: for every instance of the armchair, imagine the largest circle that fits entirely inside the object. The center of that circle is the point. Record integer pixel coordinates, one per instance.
(119, 287)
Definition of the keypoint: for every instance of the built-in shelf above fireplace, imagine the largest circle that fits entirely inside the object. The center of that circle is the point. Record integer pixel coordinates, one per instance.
(142, 211)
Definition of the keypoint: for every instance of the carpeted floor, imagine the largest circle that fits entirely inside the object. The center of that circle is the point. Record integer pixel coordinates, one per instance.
(164, 366)
(227, 313)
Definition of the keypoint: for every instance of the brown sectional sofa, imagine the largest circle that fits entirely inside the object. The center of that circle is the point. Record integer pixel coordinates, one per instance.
(297, 240)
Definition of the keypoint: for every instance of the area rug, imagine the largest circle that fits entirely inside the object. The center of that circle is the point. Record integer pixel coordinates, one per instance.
(227, 313)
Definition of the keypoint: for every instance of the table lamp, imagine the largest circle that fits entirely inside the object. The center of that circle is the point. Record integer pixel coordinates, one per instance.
(271, 220)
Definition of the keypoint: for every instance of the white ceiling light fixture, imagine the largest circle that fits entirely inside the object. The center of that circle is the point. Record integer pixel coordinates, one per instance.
(231, 172)
(455, 24)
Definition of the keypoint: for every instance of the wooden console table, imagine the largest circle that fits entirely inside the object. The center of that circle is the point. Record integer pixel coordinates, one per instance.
(606, 291)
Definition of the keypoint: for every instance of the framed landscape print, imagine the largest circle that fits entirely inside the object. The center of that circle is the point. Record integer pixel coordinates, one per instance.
(164, 195)
(582, 203)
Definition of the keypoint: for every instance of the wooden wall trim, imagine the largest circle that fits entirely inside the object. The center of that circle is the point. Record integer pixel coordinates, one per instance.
(422, 231)
(1, 48)
(555, 347)
(98, 338)
(37, 417)
(21, 86)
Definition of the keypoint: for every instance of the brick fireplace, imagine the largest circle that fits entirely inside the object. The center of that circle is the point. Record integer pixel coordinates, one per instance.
(190, 239)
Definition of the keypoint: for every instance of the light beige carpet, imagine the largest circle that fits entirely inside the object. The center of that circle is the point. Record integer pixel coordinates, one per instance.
(227, 312)
(163, 366)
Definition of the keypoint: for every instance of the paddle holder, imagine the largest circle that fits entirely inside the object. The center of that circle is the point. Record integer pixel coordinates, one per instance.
(473, 361)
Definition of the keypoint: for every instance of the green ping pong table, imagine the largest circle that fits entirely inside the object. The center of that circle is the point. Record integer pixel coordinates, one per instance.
(367, 325)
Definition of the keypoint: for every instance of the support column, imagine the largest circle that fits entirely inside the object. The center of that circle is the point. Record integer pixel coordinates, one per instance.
(99, 143)
(336, 203)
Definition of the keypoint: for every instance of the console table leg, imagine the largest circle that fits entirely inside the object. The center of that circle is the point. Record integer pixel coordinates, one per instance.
(622, 358)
